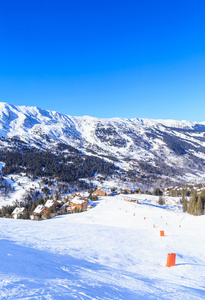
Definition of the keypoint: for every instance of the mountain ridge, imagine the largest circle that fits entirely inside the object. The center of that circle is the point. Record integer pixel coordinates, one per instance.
(146, 121)
(161, 150)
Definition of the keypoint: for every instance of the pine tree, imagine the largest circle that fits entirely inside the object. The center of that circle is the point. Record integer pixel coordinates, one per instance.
(25, 214)
(192, 204)
(183, 197)
(185, 205)
(48, 216)
(199, 206)
(41, 200)
(161, 200)
(157, 192)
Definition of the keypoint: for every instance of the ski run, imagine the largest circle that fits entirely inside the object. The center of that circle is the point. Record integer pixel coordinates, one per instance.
(113, 251)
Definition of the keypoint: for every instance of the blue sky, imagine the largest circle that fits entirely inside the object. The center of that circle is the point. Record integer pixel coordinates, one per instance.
(128, 59)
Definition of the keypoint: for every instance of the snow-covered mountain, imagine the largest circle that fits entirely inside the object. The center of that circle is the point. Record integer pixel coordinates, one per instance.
(149, 150)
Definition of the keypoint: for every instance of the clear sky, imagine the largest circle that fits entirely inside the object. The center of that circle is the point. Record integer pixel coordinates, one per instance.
(143, 59)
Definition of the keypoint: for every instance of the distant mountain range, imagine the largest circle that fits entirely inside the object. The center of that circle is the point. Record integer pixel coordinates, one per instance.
(147, 152)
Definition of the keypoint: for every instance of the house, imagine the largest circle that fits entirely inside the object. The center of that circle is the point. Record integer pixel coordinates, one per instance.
(85, 194)
(17, 212)
(78, 203)
(70, 209)
(85, 199)
(53, 203)
(41, 210)
(66, 208)
(60, 203)
(128, 191)
(37, 212)
(50, 204)
(102, 192)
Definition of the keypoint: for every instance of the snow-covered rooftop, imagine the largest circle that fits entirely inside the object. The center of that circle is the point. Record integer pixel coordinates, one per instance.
(77, 200)
(39, 209)
(18, 210)
(49, 203)
(85, 194)
(106, 190)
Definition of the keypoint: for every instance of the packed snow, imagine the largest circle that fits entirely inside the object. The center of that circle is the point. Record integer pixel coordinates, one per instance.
(113, 251)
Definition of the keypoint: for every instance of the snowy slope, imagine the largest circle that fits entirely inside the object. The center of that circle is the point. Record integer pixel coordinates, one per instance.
(109, 252)
(166, 147)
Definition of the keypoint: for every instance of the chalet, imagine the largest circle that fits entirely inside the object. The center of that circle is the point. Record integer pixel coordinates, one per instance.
(69, 209)
(38, 210)
(60, 203)
(102, 192)
(50, 204)
(66, 208)
(78, 203)
(53, 203)
(41, 210)
(128, 191)
(85, 199)
(85, 195)
(17, 212)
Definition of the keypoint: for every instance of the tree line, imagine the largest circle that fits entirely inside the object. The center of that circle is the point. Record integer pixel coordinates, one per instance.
(196, 204)
(67, 168)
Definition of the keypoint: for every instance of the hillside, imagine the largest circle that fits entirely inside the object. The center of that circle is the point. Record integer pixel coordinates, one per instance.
(109, 252)
(145, 153)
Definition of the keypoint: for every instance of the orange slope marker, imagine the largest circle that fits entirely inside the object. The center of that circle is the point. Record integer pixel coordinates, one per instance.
(171, 259)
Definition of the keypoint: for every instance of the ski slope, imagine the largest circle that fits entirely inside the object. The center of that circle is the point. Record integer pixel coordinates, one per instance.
(108, 252)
